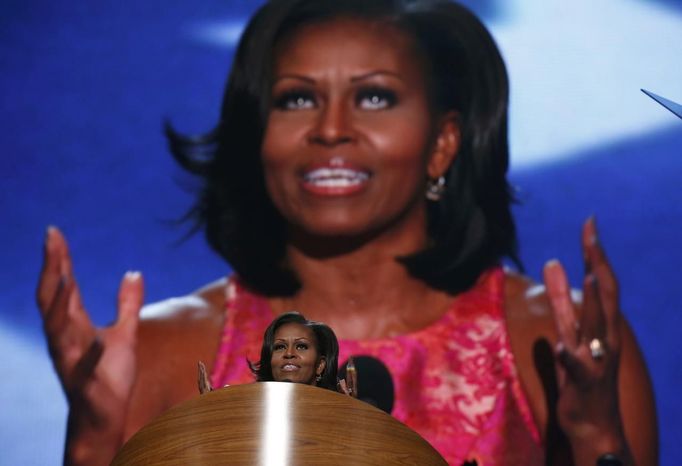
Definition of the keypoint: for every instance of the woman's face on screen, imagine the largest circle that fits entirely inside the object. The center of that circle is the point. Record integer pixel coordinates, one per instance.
(350, 135)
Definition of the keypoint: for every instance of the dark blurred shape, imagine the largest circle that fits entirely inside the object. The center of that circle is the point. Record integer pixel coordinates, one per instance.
(375, 385)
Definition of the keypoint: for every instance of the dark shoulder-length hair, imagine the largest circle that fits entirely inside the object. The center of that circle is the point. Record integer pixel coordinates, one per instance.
(326, 344)
(471, 228)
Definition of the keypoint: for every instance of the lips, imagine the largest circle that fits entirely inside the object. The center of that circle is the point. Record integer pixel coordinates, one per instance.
(289, 368)
(335, 181)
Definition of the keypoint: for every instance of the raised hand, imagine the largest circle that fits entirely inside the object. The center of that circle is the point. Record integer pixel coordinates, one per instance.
(96, 366)
(588, 354)
(349, 386)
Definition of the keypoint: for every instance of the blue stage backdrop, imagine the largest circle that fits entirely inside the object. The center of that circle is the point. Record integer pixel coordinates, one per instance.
(86, 86)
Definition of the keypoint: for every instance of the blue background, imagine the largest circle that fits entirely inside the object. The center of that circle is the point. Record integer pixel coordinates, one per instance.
(86, 85)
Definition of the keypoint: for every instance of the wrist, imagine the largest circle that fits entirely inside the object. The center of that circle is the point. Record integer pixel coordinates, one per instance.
(89, 444)
(609, 459)
(602, 449)
(92, 451)
(83, 453)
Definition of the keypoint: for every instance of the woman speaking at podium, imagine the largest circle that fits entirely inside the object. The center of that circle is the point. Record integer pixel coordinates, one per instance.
(358, 173)
(296, 350)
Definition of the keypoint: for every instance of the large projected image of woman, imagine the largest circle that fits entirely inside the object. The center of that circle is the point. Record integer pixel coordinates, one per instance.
(358, 174)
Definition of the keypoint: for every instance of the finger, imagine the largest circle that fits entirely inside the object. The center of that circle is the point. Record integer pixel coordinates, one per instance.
(343, 387)
(571, 364)
(57, 316)
(130, 299)
(352, 377)
(50, 274)
(203, 381)
(558, 291)
(592, 321)
(57, 268)
(607, 284)
(588, 239)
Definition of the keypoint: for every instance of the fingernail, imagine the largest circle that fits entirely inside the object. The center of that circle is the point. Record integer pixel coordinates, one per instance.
(551, 263)
(49, 231)
(132, 275)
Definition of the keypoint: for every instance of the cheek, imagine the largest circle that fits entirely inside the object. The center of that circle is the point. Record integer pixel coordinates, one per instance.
(402, 137)
(401, 182)
(279, 155)
(283, 135)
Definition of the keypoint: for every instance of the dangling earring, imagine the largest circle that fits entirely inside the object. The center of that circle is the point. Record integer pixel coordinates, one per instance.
(435, 189)
(318, 378)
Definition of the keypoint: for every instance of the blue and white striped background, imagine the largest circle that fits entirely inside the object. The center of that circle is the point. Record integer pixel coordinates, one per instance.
(85, 86)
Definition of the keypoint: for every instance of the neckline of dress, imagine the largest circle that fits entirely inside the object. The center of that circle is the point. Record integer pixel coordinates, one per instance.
(444, 319)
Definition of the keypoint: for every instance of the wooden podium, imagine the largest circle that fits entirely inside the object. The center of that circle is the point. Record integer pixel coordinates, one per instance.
(276, 424)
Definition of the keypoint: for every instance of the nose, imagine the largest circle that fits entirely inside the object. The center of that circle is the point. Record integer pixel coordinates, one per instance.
(289, 353)
(333, 125)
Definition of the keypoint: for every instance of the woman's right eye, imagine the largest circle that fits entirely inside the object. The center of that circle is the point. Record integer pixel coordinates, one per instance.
(295, 100)
(278, 347)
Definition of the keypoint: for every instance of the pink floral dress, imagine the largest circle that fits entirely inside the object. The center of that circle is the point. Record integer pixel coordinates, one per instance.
(455, 381)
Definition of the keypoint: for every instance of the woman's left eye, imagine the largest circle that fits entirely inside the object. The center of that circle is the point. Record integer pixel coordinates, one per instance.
(302, 346)
(376, 99)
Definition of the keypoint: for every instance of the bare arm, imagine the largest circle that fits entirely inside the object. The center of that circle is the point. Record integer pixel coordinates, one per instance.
(117, 378)
(586, 405)
(96, 366)
(173, 335)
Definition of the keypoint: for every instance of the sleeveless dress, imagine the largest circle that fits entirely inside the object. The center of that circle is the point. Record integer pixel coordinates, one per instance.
(455, 381)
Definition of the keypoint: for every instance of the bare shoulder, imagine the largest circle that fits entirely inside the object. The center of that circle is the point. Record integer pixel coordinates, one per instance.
(529, 319)
(533, 336)
(205, 303)
(528, 311)
(179, 321)
(173, 336)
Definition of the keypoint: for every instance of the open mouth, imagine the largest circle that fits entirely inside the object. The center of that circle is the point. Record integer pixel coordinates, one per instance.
(335, 177)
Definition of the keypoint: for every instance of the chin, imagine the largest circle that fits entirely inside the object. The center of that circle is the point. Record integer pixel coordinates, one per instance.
(329, 242)
(337, 232)
(335, 225)
(338, 225)
(304, 382)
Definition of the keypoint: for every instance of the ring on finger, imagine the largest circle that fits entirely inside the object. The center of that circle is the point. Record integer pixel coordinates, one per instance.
(597, 348)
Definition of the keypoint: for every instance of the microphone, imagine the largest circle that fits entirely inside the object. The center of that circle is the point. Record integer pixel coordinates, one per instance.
(375, 384)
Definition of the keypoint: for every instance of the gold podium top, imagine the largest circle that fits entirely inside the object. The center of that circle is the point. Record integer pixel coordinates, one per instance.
(276, 424)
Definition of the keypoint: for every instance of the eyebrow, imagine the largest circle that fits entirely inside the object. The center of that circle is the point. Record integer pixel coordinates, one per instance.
(295, 76)
(371, 74)
(361, 77)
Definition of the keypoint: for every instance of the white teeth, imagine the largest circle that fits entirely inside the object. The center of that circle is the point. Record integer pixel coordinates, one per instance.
(336, 182)
(335, 177)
